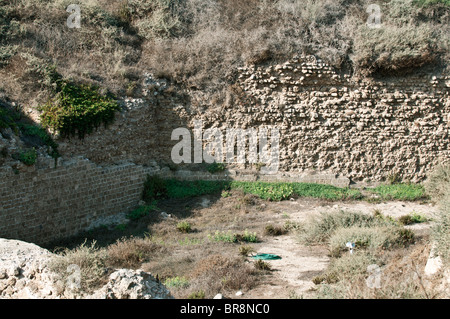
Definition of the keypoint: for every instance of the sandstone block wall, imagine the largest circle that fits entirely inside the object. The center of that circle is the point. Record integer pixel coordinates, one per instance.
(43, 204)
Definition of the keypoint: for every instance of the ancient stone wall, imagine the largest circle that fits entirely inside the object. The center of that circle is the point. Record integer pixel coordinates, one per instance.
(367, 130)
(43, 204)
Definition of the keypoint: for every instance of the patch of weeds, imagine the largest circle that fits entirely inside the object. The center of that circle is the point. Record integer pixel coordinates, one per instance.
(259, 166)
(225, 194)
(141, 211)
(176, 282)
(90, 259)
(77, 109)
(247, 237)
(132, 252)
(327, 278)
(184, 227)
(227, 237)
(292, 226)
(409, 192)
(216, 167)
(271, 230)
(413, 218)
(28, 157)
(197, 295)
(262, 265)
(245, 250)
(43, 136)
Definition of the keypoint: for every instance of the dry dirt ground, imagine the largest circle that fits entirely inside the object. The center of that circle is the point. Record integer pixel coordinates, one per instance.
(291, 276)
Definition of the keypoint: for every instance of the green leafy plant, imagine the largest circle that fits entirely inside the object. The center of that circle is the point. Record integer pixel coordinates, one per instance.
(224, 237)
(225, 194)
(247, 237)
(176, 282)
(77, 109)
(413, 218)
(184, 227)
(141, 211)
(28, 157)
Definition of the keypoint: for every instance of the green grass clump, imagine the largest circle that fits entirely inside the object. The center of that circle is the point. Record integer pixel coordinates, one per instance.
(413, 218)
(226, 237)
(184, 227)
(247, 237)
(176, 282)
(77, 109)
(410, 192)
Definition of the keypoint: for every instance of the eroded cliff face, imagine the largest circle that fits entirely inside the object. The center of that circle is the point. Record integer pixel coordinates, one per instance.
(366, 129)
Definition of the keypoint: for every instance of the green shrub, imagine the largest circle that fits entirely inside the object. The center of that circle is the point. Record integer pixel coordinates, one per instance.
(227, 237)
(154, 188)
(28, 157)
(176, 282)
(247, 237)
(77, 109)
(245, 250)
(184, 227)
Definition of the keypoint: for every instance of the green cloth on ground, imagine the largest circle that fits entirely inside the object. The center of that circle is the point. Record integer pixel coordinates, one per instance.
(266, 256)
